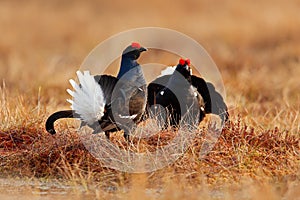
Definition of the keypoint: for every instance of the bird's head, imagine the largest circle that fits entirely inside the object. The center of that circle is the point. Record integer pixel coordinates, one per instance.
(183, 68)
(133, 51)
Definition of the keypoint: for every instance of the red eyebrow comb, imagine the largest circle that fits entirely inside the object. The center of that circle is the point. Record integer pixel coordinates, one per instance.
(135, 45)
(182, 61)
(188, 62)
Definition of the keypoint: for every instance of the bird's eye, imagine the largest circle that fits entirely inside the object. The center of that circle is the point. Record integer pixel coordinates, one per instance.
(186, 67)
(162, 93)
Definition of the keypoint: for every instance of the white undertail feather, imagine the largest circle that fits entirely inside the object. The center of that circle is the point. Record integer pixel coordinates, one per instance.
(88, 99)
(168, 71)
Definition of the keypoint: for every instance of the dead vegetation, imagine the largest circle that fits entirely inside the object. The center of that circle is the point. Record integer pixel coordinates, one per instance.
(255, 46)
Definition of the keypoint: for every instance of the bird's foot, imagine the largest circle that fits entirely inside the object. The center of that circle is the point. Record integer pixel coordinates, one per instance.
(126, 136)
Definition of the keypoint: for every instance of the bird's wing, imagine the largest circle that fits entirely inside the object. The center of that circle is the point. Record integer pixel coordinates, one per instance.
(155, 86)
(107, 84)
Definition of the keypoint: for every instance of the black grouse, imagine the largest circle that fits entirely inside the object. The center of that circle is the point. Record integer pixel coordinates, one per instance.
(213, 101)
(106, 103)
(178, 99)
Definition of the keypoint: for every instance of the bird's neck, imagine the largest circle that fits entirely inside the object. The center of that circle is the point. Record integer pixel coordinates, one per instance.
(126, 65)
(177, 80)
(131, 71)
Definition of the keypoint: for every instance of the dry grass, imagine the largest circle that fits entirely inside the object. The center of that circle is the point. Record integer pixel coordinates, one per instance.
(256, 46)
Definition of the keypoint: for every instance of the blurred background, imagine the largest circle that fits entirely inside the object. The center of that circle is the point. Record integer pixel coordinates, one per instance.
(255, 44)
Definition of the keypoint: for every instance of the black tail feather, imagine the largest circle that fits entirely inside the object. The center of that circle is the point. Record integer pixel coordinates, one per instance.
(214, 102)
(58, 115)
(218, 106)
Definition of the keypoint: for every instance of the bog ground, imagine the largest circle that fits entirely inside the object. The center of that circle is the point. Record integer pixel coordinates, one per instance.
(256, 46)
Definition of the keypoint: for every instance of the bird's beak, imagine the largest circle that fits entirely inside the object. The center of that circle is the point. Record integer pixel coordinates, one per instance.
(143, 49)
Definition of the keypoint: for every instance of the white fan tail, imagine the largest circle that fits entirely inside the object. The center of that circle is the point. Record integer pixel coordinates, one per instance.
(168, 71)
(88, 99)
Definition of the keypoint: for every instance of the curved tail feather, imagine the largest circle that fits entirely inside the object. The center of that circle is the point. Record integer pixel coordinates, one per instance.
(58, 115)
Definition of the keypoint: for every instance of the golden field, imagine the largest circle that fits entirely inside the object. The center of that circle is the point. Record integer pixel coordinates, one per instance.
(256, 46)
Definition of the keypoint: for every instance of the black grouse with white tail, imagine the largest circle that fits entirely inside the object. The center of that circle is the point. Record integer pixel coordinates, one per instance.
(106, 103)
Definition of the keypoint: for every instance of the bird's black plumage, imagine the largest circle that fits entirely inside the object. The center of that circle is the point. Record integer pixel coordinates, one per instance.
(174, 97)
(128, 88)
(213, 101)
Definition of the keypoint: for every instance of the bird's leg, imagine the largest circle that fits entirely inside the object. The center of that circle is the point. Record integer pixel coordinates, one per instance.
(82, 124)
(107, 134)
(127, 130)
(126, 136)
